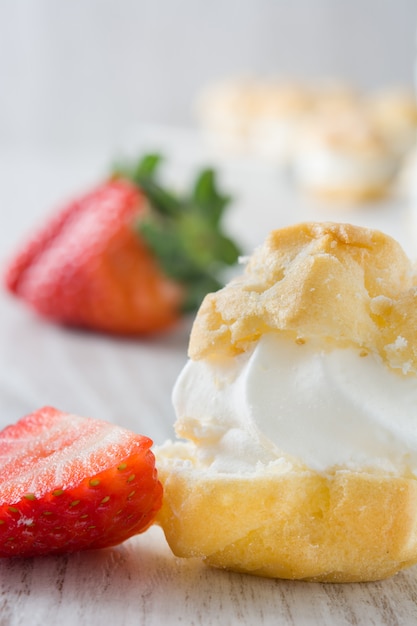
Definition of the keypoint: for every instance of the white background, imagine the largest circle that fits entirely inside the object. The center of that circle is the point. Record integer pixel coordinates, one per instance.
(84, 72)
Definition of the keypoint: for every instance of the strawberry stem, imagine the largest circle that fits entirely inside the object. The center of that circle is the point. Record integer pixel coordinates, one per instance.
(185, 231)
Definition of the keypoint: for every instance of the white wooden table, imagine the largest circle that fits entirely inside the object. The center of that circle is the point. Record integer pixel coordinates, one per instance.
(129, 382)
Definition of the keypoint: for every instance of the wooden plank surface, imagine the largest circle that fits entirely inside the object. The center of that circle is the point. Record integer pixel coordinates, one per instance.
(141, 582)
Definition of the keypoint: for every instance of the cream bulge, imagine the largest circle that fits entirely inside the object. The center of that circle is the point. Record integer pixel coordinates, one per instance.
(282, 402)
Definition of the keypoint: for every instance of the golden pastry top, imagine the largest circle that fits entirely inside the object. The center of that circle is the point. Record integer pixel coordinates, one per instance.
(255, 98)
(276, 99)
(345, 284)
(393, 108)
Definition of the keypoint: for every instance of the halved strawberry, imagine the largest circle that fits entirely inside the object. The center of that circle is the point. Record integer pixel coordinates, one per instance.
(72, 483)
(128, 257)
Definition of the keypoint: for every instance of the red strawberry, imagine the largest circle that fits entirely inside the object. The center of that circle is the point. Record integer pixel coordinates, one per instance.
(87, 267)
(71, 483)
(126, 258)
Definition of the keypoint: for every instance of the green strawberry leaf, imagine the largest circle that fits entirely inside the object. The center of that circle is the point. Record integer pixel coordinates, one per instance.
(184, 231)
(207, 198)
(148, 165)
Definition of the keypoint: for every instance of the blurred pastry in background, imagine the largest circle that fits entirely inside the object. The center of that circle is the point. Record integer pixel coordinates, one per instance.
(332, 97)
(344, 158)
(281, 108)
(225, 111)
(395, 114)
(341, 143)
(252, 116)
(407, 179)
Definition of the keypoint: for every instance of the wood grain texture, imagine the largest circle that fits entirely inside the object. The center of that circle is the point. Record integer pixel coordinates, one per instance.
(129, 383)
(141, 582)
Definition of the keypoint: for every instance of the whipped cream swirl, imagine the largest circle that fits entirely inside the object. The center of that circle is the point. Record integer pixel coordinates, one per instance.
(284, 402)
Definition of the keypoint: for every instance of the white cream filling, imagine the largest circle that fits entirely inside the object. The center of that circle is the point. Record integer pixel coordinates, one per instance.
(327, 409)
(324, 168)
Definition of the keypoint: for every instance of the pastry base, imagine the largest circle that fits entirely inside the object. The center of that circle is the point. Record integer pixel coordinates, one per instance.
(349, 195)
(347, 527)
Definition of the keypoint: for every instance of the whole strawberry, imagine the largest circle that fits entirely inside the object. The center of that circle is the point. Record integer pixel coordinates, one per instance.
(128, 257)
(70, 483)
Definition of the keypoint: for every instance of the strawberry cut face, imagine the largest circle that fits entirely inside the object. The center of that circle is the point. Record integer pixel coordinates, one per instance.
(70, 483)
